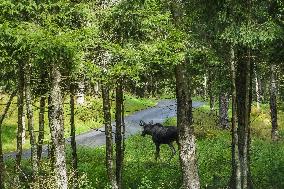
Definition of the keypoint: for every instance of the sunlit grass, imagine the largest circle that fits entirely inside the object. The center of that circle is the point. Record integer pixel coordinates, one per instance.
(87, 117)
(213, 155)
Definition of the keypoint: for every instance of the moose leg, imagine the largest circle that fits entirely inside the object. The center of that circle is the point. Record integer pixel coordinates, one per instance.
(173, 150)
(157, 151)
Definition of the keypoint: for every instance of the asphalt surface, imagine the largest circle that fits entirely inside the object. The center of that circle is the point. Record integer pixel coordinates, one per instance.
(158, 114)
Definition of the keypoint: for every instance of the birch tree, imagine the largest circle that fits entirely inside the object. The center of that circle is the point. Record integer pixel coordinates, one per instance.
(73, 134)
(20, 103)
(57, 128)
(30, 115)
(273, 103)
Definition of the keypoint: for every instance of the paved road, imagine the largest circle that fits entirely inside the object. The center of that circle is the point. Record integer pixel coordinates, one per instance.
(158, 114)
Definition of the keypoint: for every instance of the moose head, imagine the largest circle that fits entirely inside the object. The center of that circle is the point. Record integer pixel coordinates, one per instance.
(146, 127)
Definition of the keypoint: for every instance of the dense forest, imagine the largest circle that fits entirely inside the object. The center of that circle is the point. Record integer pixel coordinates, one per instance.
(76, 70)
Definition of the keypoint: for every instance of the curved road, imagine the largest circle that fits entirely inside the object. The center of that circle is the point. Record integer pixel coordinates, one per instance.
(158, 114)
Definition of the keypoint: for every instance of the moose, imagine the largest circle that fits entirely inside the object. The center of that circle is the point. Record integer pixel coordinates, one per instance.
(160, 135)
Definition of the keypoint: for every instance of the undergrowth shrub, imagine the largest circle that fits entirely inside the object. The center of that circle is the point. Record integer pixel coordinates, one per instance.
(91, 111)
(45, 179)
(267, 164)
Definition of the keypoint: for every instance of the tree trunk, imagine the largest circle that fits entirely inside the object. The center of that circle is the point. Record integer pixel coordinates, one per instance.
(57, 128)
(97, 89)
(108, 132)
(41, 119)
(212, 102)
(187, 147)
(81, 93)
(273, 104)
(73, 135)
(205, 86)
(30, 116)
(41, 126)
(210, 92)
(123, 130)
(21, 83)
(265, 90)
(243, 88)
(223, 110)
(2, 165)
(235, 182)
(24, 125)
(118, 134)
(257, 89)
(51, 155)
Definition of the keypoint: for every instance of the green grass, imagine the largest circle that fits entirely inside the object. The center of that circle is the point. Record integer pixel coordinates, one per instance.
(213, 155)
(214, 160)
(133, 104)
(88, 116)
(214, 145)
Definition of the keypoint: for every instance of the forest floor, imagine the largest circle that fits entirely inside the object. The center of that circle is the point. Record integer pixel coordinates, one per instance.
(141, 171)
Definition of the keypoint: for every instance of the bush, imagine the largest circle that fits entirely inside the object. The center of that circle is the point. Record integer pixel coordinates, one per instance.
(45, 180)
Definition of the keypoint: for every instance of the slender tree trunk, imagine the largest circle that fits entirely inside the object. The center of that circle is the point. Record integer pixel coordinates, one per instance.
(123, 130)
(30, 116)
(51, 155)
(2, 165)
(118, 134)
(21, 83)
(250, 59)
(24, 125)
(97, 89)
(41, 118)
(243, 88)
(244, 119)
(81, 93)
(108, 131)
(257, 89)
(57, 128)
(212, 102)
(187, 146)
(265, 90)
(236, 173)
(210, 92)
(223, 110)
(205, 86)
(41, 126)
(73, 135)
(149, 86)
(273, 103)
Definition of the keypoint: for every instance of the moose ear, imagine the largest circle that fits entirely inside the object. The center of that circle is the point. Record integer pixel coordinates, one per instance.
(151, 122)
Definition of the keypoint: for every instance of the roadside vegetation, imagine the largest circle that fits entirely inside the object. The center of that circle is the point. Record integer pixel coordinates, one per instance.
(213, 152)
(88, 116)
